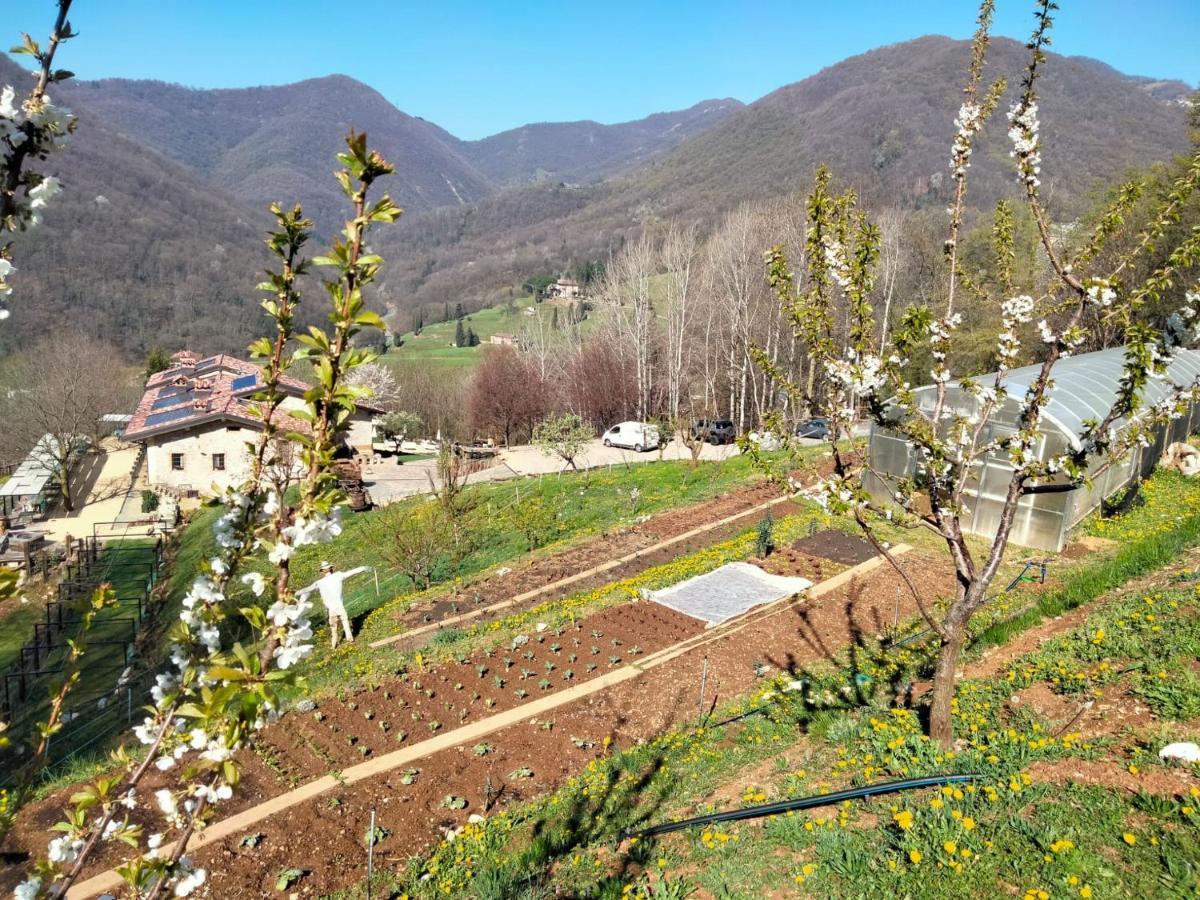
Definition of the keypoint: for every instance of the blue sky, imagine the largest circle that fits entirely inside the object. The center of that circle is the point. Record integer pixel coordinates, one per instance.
(478, 68)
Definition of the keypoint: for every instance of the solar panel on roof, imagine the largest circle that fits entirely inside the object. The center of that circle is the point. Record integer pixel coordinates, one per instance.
(172, 390)
(171, 399)
(207, 363)
(171, 415)
(244, 382)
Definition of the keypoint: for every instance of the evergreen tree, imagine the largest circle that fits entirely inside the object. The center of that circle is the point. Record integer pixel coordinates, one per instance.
(472, 338)
(157, 361)
(419, 321)
(458, 311)
(554, 320)
(460, 335)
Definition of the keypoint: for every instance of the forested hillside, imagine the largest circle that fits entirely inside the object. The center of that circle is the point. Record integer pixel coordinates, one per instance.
(882, 120)
(170, 254)
(588, 151)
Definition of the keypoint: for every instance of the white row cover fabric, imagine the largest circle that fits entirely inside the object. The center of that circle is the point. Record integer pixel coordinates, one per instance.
(728, 591)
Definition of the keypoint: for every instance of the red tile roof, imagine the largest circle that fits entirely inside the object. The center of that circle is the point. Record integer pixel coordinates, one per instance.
(215, 389)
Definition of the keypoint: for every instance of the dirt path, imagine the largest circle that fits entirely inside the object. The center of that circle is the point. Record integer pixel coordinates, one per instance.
(630, 704)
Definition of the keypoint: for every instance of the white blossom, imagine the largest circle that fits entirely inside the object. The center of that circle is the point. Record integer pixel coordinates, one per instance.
(45, 191)
(188, 879)
(1026, 145)
(257, 583)
(64, 849)
(29, 889)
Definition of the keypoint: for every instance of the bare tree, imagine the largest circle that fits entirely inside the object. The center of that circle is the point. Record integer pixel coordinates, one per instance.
(423, 539)
(54, 396)
(506, 394)
(679, 255)
(892, 255)
(599, 382)
(627, 286)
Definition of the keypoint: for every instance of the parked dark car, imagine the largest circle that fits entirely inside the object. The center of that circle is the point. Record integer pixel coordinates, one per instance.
(714, 431)
(813, 428)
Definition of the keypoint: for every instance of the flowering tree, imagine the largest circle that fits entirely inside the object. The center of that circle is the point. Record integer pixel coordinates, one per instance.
(218, 690)
(29, 131)
(378, 383)
(833, 316)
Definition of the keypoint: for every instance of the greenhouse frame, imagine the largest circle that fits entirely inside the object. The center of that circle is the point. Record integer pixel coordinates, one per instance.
(1084, 387)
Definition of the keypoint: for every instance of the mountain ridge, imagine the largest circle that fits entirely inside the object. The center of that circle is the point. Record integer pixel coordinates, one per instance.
(482, 216)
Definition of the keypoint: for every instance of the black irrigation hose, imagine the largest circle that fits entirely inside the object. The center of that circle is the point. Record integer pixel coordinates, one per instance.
(774, 809)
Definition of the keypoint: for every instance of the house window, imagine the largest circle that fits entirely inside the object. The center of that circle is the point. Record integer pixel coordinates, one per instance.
(234, 428)
(176, 462)
(218, 462)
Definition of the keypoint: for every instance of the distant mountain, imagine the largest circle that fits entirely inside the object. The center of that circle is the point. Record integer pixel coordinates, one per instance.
(157, 239)
(267, 144)
(137, 250)
(588, 151)
(882, 120)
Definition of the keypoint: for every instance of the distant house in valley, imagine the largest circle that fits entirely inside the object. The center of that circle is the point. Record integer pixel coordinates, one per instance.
(503, 340)
(564, 289)
(196, 418)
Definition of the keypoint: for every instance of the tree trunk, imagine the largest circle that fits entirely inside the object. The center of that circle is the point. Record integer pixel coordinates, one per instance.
(941, 722)
(65, 486)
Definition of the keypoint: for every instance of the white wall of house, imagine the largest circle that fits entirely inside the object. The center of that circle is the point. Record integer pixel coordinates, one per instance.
(196, 450)
(197, 447)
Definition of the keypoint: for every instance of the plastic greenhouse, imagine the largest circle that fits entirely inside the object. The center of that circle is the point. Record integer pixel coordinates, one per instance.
(1084, 388)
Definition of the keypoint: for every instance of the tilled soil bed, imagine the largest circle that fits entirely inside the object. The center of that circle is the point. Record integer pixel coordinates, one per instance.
(346, 730)
(523, 760)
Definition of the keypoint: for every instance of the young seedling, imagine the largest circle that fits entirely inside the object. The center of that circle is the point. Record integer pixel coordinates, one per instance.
(409, 776)
(375, 835)
(520, 773)
(482, 749)
(452, 802)
(286, 878)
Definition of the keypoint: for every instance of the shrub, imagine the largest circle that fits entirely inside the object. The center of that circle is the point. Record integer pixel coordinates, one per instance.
(149, 501)
(764, 541)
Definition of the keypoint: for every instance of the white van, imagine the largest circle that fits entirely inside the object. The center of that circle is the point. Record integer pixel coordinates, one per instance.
(637, 436)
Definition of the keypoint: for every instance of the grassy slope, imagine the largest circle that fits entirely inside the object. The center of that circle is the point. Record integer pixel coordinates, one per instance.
(433, 345)
(586, 503)
(1020, 835)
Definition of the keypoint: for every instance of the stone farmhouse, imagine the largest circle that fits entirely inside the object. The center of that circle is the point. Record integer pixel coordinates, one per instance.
(196, 419)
